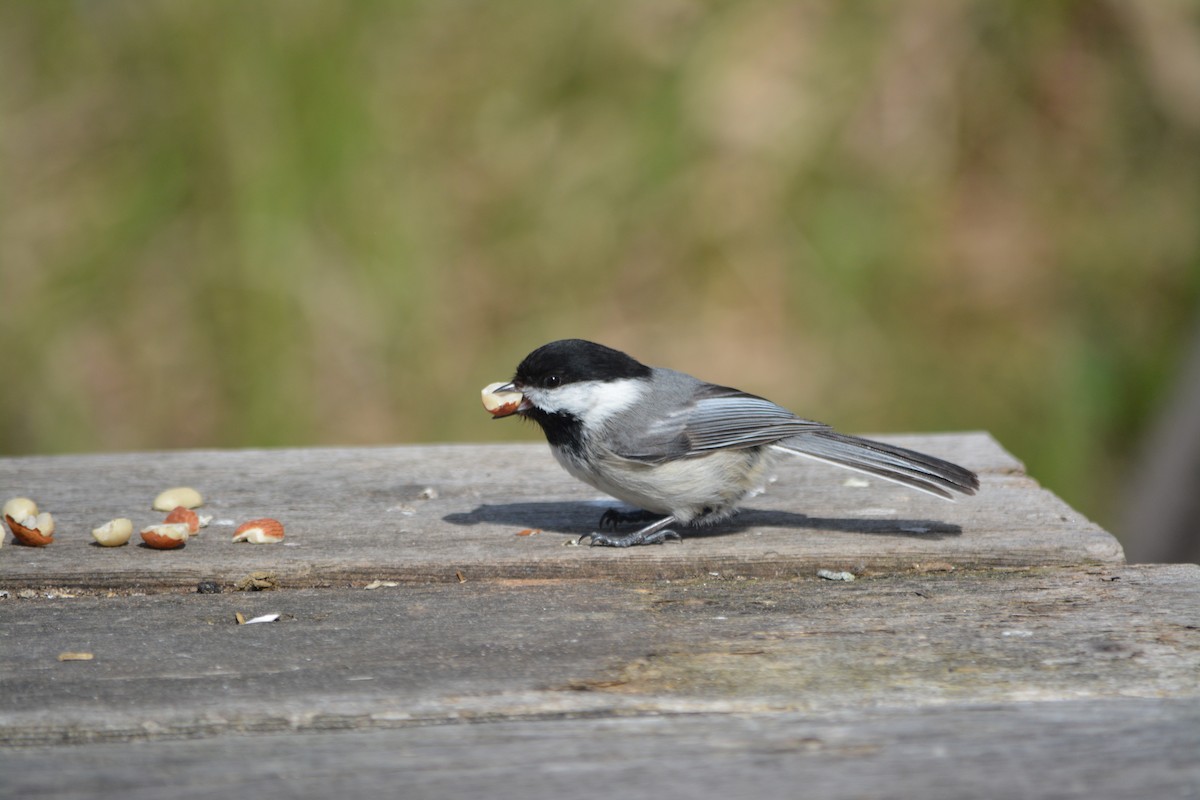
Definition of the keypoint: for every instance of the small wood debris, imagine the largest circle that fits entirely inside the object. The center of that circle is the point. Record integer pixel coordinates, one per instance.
(75, 656)
(934, 566)
(259, 581)
(461, 578)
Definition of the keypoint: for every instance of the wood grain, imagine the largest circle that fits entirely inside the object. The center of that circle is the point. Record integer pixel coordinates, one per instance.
(994, 647)
(179, 666)
(363, 514)
(1128, 748)
(1044, 682)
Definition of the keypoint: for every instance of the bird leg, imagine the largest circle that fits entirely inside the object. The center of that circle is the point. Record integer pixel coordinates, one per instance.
(614, 517)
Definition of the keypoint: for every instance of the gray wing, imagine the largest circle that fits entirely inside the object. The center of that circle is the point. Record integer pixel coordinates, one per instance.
(699, 418)
(714, 418)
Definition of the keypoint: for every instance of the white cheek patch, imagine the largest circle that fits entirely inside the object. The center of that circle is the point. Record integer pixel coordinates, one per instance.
(591, 402)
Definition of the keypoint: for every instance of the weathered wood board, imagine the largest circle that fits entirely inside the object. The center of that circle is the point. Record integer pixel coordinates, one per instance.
(1088, 749)
(443, 652)
(998, 646)
(364, 513)
(765, 671)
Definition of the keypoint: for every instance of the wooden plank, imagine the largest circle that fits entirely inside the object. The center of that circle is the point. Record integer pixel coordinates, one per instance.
(998, 646)
(435, 513)
(177, 666)
(1125, 748)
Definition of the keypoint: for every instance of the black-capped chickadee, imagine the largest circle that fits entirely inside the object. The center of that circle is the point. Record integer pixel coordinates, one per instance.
(681, 449)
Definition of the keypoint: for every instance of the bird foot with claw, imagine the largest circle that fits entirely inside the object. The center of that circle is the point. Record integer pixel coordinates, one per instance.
(631, 539)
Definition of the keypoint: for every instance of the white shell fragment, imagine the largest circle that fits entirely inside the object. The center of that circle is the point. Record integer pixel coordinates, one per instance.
(263, 618)
(830, 575)
(377, 584)
(170, 499)
(114, 533)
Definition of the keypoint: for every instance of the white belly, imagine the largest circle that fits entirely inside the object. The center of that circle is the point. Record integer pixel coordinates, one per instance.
(710, 486)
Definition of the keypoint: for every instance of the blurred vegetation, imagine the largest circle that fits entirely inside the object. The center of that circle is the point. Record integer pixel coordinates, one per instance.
(301, 223)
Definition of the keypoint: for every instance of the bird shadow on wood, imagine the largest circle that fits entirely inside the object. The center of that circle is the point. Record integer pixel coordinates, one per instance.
(577, 519)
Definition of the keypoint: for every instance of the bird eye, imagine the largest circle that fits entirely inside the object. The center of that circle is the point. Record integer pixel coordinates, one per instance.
(552, 381)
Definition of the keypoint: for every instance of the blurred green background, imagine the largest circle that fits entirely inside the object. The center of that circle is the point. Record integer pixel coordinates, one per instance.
(303, 223)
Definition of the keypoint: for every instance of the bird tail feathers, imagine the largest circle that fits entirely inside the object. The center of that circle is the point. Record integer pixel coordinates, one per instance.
(901, 465)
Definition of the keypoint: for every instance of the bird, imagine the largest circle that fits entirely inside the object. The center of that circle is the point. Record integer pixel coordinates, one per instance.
(682, 451)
